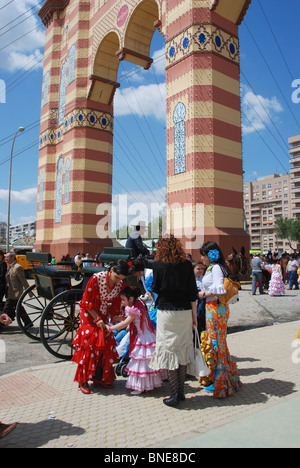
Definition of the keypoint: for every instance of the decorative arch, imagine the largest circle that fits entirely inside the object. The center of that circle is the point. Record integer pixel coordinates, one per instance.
(233, 10)
(204, 148)
(139, 33)
(105, 70)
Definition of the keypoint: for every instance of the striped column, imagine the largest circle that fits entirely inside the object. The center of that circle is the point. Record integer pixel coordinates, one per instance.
(204, 149)
(75, 156)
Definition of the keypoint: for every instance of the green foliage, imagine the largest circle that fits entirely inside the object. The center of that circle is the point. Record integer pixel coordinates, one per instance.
(288, 228)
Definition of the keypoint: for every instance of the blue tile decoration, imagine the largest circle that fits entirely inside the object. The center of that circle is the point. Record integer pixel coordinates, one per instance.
(185, 42)
(179, 138)
(72, 54)
(46, 89)
(67, 180)
(172, 51)
(202, 38)
(77, 118)
(218, 41)
(58, 194)
(62, 93)
(205, 38)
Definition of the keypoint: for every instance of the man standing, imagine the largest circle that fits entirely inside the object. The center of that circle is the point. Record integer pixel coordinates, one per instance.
(135, 242)
(292, 268)
(16, 283)
(257, 267)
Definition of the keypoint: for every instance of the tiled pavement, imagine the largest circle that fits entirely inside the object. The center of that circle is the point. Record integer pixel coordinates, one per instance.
(53, 413)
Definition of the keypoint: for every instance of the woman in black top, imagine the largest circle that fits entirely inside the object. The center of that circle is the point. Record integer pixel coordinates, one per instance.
(3, 269)
(174, 282)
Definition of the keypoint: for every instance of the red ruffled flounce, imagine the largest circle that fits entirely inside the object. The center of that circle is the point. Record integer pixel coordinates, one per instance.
(93, 349)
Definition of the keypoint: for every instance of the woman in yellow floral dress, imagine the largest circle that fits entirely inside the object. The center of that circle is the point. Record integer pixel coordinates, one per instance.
(225, 379)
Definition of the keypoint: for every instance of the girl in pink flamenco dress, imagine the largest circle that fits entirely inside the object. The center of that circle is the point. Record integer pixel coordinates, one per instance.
(276, 285)
(142, 343)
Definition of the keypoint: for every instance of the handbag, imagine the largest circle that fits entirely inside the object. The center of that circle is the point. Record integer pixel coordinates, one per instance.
(199, 368)
(232, 291)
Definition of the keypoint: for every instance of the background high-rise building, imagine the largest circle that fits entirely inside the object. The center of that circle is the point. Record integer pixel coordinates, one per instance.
(265, 200)
(295, 175)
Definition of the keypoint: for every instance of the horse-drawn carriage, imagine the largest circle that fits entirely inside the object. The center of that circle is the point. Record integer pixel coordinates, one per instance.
(48, 311)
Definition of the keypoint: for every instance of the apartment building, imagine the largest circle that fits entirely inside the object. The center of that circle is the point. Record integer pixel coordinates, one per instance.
(294, 142)
(20, 230)
(265, 200)
(3, 230)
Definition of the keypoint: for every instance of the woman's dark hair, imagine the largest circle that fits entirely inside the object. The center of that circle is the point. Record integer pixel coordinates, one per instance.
(1, 253)
(131, 292)
(138, 264)
(121, 268)
(214, 246)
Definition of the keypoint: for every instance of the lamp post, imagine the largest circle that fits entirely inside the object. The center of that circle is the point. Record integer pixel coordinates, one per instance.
(21, 130)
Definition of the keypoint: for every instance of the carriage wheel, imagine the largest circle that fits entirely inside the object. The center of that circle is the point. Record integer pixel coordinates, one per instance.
(29, 322)
(59, 323)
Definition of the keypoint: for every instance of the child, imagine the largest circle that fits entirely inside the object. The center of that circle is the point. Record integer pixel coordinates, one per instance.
(142, 343)
(276, 286)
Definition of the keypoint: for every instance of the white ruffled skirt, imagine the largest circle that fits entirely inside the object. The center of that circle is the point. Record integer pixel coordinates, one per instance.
(141, 377)
(174, 340)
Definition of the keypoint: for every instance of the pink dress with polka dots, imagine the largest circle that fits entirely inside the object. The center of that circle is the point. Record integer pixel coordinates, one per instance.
(92, 347)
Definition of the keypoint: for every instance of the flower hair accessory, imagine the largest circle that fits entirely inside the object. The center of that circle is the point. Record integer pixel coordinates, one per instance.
(213, 255)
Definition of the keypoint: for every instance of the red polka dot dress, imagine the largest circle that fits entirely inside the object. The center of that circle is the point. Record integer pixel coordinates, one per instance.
(93, 349)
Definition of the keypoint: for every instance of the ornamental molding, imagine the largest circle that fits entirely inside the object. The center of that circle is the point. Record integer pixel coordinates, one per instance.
(81, 117)
(50, 7)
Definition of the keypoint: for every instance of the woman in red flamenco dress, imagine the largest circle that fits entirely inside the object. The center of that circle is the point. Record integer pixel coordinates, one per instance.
(95, 349)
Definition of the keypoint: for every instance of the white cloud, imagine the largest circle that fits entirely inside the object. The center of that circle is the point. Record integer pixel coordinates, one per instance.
(159, 62)
(17, 21)
(139, 75)
(21, 197)
(26, 219)
(259, 111)
(148, 100)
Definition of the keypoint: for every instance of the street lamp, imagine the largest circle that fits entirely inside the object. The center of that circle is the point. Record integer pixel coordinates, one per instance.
(20, 130)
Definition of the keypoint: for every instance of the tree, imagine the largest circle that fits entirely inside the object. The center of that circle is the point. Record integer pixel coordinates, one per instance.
(295, 230)
(288, 228)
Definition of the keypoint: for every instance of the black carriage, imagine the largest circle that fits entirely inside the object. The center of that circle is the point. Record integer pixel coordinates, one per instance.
(48, 311)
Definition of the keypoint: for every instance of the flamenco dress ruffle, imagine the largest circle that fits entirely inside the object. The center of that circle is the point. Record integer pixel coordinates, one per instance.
(225, 376)
(276, 286)
(141, 376)
(95, 353)
(92, 350)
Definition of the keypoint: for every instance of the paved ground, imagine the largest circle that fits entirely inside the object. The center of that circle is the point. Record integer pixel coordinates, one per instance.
(52, 412)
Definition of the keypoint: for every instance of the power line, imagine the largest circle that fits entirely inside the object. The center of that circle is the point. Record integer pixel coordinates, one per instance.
(275, 39)
(17, 17)
(272, 74)
(6, 4)
(21, 37)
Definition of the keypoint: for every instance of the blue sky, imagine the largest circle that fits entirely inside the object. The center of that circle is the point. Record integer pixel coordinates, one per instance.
(270, 64)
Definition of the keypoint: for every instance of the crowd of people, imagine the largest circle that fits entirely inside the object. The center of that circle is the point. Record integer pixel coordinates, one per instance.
(180, 297)
(272, 272)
